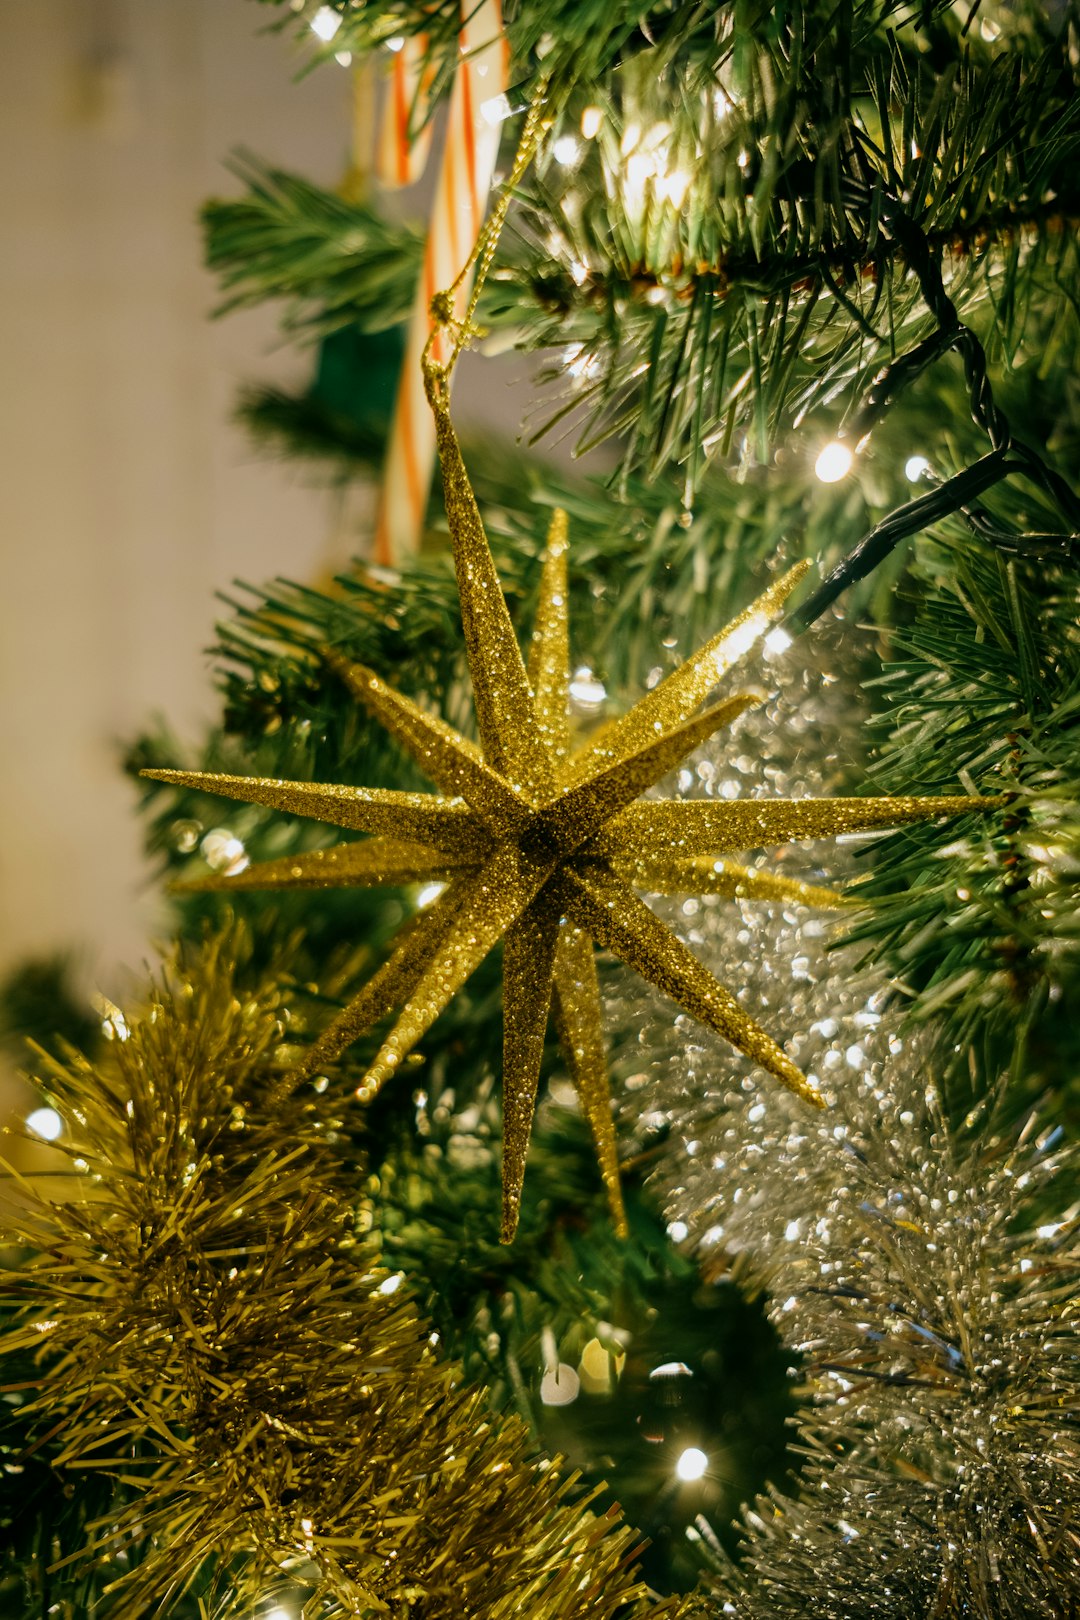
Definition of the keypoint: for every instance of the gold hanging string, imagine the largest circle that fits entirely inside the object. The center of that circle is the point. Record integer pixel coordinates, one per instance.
(437, 373)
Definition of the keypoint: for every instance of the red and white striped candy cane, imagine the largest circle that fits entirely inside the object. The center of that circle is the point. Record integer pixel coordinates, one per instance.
(461, 194)
(401, 156)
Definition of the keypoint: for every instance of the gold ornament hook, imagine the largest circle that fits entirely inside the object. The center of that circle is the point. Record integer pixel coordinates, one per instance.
(437, 374)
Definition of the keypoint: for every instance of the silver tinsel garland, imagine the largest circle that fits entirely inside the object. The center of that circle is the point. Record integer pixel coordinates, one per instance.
(924, 1270)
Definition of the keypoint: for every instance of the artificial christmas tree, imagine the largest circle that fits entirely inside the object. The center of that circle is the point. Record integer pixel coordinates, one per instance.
(813, 274)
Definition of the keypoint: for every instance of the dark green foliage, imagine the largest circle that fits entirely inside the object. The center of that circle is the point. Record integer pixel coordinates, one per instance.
(304, 426)
(357, 375)
(774, 278)
(343, 417)
(583, 40)
(39, 1002)
(780, 283)
(703, 1369)
(290, 239)
(987, 675)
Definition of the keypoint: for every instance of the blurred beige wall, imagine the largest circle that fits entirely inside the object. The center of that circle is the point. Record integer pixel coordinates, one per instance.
(126, 497)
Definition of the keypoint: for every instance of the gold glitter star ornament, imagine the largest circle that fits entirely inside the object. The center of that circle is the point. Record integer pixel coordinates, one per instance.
(542, 848)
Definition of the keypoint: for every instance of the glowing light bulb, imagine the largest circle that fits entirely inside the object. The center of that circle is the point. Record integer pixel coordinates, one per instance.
(674, 187)
(914, 467)
(834, 462)
(222, 850)
(496, 109)
(599, 1368)
(587, 694)
(390, 1285)
(691, 1464)
(113, 1023)
(560, 1385)
(396, 44)
(46, 1123)
(742, 639)
(776, 642)
(672, 1369)
(429, 893)
(579, 362)
(325, 23)
(639, 169)
(565, 149)
(591, 119)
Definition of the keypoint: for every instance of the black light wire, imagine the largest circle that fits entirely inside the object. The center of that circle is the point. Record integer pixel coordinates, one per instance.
(959, 493)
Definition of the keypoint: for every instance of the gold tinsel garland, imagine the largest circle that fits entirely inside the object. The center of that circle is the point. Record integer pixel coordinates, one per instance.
(272, 1408)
